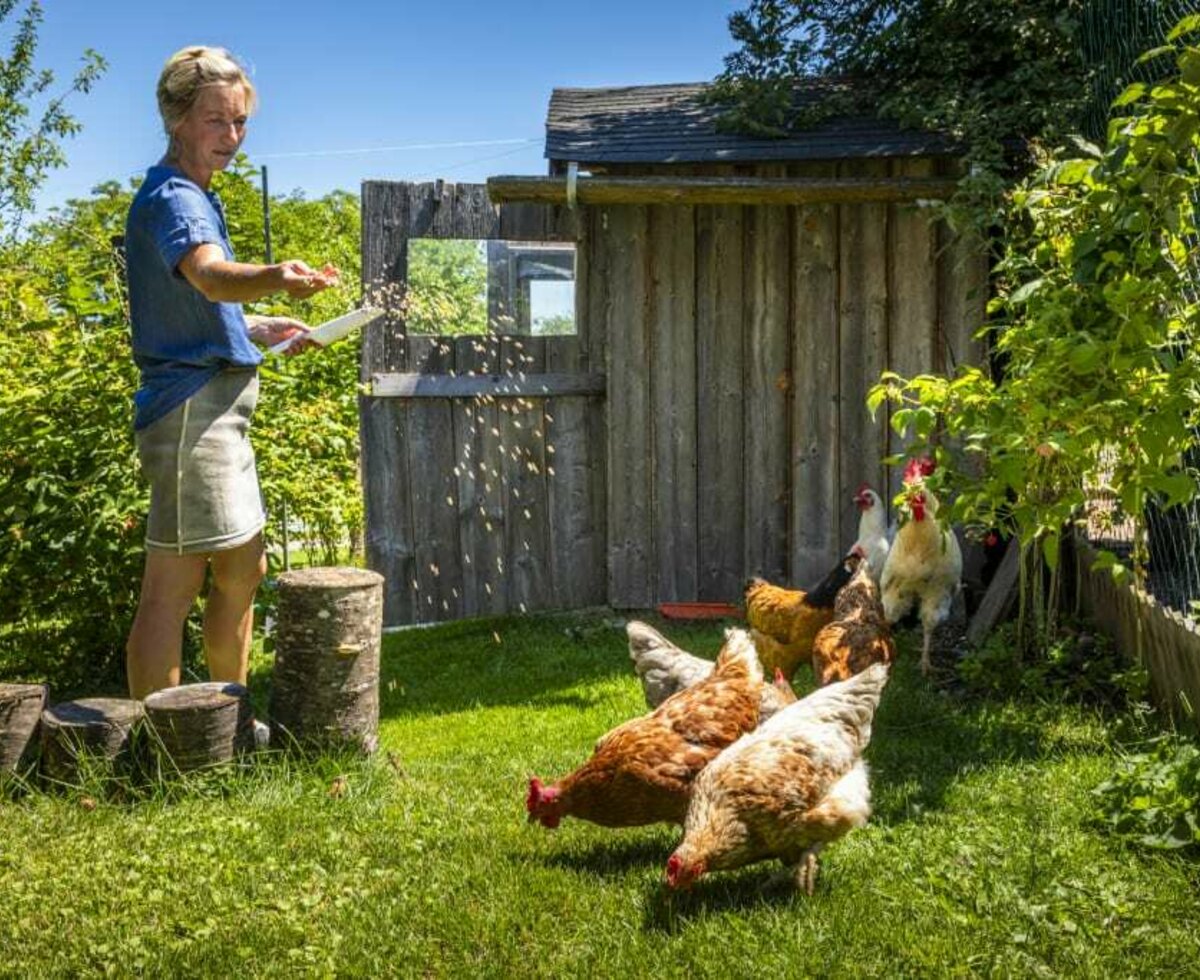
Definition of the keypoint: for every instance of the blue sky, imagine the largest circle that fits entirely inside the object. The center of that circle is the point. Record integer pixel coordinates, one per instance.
(352, 76)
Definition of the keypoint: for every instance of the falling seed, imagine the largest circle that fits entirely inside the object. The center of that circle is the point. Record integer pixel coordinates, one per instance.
(550, 449)
(521, 606)
(495, 432)
(550, 470)
(445, 606)
(487, 588)
(467, 559)
(528, 516)
(436, 571)
(449, 499)
(488, 526)
(496, 636)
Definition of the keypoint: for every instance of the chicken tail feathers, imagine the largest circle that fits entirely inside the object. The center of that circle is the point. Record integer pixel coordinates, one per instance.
(739, 655)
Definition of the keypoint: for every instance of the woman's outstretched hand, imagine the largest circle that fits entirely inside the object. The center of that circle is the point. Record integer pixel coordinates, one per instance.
(300, 281)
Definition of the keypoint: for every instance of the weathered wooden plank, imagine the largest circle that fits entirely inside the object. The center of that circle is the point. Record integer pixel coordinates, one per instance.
(544, 385)
(912, 295)
(434, 490)
(474, 215)
(962, 300)
(385, 221)
(739, 190)
(477, 468)
(631, 557)
(999, 598)
(863, 316)
(672, 383)
(388, 535)
(768, 379)
(592, 271)
(523, 475)
(721, 475)
(815, 510)
(520, 222)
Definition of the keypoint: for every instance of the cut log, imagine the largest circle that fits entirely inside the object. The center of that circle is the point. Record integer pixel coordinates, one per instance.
(90, 732)
(199, 725)
(325, 687)
(21, 707)
(999, 598)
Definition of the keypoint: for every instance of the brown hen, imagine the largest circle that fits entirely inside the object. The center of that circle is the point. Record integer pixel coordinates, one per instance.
(859, 634)
(641, 772)
(784, 622)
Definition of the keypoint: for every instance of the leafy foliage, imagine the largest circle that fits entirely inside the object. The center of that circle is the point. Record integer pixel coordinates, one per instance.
(29, 148)
(447, 287)
(72, 501)
(1154, 797)
(1079, 665)
(987, 72)
(1095, 324)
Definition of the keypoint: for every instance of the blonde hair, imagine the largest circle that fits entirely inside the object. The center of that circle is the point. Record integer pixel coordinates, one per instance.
(188, 71)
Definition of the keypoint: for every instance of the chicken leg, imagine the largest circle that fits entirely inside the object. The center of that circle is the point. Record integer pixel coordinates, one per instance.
(805, 872)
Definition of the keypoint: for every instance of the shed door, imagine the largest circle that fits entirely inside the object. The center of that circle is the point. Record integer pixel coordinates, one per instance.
(482, 419)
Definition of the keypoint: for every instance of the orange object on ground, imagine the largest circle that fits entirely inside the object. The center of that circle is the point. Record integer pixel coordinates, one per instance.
(697, 610)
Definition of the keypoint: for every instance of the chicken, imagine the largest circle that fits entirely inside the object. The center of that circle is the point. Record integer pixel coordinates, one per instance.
(641, 772)
(665, 669)
(873, 536)
(785, 790)
(783, 622)
(859, 634)
(924, 566)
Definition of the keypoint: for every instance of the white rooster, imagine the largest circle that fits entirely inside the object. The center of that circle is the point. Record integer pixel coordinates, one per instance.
(873, 536)
(924, 566)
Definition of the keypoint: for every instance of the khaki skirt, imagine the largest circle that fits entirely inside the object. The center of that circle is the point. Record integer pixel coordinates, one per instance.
(204, 493)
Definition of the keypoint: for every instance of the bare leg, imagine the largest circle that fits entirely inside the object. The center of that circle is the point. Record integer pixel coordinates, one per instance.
(153, 652)
(229, 610)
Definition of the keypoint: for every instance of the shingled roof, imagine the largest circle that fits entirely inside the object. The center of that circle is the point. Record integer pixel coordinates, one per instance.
(671, 124)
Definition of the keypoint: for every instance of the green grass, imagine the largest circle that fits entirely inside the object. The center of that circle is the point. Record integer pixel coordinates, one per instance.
(983, 857)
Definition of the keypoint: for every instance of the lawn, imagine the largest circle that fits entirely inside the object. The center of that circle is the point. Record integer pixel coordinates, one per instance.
(983, 856)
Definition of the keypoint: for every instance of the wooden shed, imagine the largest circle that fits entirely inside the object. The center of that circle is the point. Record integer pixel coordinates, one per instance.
(735, 299)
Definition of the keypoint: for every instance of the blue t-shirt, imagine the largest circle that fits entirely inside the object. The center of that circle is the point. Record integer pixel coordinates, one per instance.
(180, 339)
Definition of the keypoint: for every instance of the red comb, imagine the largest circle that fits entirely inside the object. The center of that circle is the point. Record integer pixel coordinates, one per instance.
(535, 794)
(918, 468)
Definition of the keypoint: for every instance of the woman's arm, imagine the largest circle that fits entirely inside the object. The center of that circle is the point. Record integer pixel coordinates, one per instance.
(222, 281)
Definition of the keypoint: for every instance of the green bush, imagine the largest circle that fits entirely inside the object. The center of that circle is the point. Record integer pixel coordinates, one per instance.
(72, 501)
(1153, 798)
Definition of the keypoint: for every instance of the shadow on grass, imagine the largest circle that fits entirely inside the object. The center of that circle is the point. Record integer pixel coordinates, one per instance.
(612, 859)
(542, 661)
(667, 911)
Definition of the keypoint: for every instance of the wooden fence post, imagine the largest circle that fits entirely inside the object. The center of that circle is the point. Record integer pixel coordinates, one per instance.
(198, 725)
(325, 688)
(21, 707)
(90, 730)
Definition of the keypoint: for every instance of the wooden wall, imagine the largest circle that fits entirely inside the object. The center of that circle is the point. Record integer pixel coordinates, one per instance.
(742, 344)
(736, 346)
(487, 503)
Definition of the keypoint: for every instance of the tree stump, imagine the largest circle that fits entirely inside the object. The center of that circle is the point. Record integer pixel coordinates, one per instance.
(88, 732)
(199, 725)
(21, 707)
(325, 687)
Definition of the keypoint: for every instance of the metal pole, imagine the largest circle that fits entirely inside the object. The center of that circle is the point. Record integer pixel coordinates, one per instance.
(266, 206)
(266, 217)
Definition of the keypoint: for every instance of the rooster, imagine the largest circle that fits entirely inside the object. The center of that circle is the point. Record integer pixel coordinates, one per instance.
(641, 772)
(873, 536)
(859, 634)
(665, 669)
(783, 622)
(924, 566)
(785, 790)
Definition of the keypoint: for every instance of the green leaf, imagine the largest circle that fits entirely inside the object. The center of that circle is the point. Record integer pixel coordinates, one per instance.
(1185, 26)
(1131, 94)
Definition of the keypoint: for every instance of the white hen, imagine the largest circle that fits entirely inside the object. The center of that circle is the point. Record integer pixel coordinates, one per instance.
(786, 789)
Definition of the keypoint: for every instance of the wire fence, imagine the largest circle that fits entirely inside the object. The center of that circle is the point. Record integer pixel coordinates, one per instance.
(1114, 34)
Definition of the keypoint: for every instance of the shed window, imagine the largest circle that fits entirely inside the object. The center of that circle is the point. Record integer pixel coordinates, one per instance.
(465, 286)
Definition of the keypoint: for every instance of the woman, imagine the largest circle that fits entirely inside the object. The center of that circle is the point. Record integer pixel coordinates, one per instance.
(193, 346)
